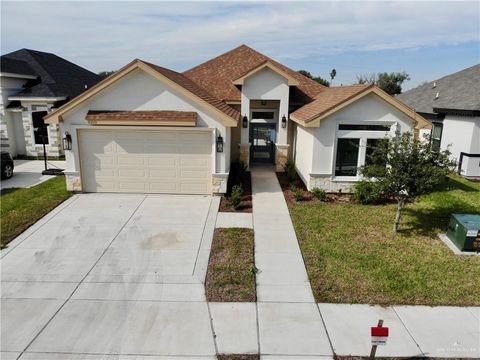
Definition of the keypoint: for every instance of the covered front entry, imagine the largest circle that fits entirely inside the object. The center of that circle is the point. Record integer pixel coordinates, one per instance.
(146, 161)
(262, 138)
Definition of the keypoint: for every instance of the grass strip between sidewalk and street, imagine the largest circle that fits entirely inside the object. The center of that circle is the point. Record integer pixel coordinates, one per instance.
(22, 207)
(231, 267)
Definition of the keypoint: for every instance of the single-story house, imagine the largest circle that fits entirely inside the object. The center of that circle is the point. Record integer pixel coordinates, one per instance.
(150, 129)
(452, 104)
(33, 83)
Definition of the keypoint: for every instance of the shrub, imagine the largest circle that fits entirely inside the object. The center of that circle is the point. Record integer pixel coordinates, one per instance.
(290, 172)
(238, 175)
(297, 192)
(236, 196)
(320, 194)
(367, 192)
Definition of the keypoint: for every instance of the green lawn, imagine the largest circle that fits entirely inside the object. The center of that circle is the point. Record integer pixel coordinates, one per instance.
(352, 256)
(231, 267)
(20, 208)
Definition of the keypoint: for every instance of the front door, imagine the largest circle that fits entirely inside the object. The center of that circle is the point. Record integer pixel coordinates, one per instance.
(262, 138)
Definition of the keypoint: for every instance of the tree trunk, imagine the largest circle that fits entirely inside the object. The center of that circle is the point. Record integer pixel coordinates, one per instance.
(398, 216)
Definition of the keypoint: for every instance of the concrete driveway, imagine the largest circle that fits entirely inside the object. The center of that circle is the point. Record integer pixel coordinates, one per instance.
(28, 173)
(110, 274)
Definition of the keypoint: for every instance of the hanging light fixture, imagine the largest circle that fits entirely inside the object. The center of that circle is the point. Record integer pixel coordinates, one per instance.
(219, 144)
(245, 121)
(284, 122)
(67, 141)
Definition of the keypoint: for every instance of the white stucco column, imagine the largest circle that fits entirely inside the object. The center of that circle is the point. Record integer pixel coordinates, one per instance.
(283, 111)
(245, 111)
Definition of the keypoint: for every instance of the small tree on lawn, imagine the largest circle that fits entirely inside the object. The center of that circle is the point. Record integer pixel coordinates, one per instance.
(404, 168)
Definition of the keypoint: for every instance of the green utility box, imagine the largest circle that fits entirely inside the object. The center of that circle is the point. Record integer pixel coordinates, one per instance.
(464, 231)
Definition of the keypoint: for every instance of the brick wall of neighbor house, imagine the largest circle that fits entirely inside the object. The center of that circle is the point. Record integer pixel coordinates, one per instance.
(4, 142)
(54, 148)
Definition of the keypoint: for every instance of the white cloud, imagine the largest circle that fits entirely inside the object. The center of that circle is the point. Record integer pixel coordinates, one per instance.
(106, 35)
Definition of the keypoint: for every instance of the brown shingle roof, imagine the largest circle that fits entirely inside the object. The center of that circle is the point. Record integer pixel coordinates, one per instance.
(327, 100)
(153, 115)
(195, 89)
(217, 74)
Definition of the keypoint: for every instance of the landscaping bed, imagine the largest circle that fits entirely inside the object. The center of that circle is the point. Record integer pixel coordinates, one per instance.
(21, 208)
(238, 176)
(231, 267)
(352, 256)
(286, 186)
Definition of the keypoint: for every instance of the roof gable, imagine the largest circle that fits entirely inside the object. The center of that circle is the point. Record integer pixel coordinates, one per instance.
(337, 98)
(227, 114)
(218, 74)
(58, 77)
(266, 65)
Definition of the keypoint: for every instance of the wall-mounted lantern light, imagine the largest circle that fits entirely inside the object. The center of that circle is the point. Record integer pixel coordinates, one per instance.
(245, 121)
(284, 122)
(67, 141)
(219, 144)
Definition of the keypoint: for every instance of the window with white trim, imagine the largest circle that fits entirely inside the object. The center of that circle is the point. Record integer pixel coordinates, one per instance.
(355, 143)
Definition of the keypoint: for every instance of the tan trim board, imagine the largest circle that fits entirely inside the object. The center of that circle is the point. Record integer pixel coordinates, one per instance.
(187, 123)
(291, 80)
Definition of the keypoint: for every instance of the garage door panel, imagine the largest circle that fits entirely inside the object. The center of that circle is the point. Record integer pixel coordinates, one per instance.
(105, 183)
(162, 161)
(134, 186)
(158, 161)
(168, 173)
(194, 174)
(194, 150)
(131, 159)
(166, 187)
(132, 173)
(156, 136)
(194, 161)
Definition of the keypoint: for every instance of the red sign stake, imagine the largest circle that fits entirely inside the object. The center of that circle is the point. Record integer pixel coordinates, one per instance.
(379, 337)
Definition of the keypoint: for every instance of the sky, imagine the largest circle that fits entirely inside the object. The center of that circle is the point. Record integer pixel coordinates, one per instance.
(426, 39)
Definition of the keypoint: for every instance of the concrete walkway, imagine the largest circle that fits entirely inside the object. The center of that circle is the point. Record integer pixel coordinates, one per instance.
(289, 320)
(282, 276)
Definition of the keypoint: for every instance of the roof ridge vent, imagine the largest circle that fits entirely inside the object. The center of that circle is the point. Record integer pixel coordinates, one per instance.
(437, 95)
(434, 85)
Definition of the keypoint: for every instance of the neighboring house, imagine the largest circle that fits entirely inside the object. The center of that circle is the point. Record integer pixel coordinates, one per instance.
(452, 104)
(150, 129)
(32, 83)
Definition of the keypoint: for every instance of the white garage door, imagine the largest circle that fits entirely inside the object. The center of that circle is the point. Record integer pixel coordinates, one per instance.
(146, 161)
